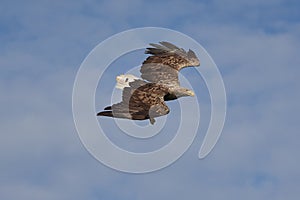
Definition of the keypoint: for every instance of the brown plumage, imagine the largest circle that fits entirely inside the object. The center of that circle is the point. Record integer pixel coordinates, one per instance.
(165, 62)
(146, 100)
(140, 101)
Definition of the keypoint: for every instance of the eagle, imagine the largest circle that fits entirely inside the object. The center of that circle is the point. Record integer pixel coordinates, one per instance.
(146, 98)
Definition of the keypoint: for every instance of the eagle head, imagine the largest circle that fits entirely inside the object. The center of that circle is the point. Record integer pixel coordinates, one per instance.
(123, 80)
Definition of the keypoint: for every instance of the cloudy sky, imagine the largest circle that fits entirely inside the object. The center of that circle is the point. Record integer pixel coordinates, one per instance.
(256, 47)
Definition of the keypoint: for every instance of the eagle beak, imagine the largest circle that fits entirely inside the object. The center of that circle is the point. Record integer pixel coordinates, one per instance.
(191, 93)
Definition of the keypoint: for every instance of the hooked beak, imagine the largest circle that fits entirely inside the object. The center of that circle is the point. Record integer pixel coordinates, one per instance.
(191, 93)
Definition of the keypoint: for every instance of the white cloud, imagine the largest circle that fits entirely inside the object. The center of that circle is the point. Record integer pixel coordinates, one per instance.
(42, 157)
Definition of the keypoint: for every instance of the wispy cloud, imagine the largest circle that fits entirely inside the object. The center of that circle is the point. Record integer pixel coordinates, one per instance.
(255, 44)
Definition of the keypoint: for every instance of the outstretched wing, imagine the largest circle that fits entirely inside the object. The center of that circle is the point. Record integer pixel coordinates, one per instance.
(164, 63)
(140, 101)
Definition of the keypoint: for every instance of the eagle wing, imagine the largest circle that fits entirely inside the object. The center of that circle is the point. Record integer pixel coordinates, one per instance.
(140, 101)
(164, 63)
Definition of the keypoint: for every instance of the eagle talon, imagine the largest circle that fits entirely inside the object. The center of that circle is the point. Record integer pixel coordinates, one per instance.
(152, 121)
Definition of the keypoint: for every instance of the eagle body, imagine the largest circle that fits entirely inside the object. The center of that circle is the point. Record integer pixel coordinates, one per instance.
(140, 101)
(145, 99)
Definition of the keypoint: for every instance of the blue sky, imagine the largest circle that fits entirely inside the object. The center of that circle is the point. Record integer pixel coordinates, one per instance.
(256, 47)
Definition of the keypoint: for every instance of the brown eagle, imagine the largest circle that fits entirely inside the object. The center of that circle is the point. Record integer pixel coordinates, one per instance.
(145, 99)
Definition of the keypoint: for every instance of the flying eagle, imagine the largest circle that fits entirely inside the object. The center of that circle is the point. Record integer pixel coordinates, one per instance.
(145, 99)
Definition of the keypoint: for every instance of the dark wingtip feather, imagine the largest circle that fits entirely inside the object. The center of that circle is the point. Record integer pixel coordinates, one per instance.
(105, 113)
(107, 108)
(154, 51)
(169, 45)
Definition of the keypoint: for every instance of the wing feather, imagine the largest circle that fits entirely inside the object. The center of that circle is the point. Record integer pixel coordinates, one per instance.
(165, 61)
(140, 101)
